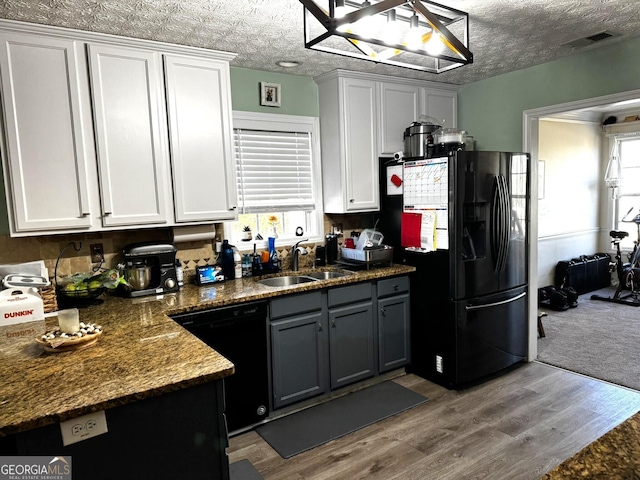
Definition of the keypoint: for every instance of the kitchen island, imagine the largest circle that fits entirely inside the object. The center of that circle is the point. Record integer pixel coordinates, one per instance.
(614, 455)
(142, 356)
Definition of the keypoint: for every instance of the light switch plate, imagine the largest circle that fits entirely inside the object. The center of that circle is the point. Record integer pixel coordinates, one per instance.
(82, 428)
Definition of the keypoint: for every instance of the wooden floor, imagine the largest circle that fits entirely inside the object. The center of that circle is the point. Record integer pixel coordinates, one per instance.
(518, 426)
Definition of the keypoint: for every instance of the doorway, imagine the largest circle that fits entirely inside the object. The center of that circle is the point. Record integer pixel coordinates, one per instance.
(588, 109)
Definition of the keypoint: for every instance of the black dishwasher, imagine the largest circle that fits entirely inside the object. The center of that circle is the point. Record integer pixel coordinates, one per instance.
(239, 333)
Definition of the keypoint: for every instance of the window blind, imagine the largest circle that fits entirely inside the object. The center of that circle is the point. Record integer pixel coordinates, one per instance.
(274, 171)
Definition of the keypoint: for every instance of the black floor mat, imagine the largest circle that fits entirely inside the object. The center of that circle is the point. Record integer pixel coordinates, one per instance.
(243, 470)
(314, 426)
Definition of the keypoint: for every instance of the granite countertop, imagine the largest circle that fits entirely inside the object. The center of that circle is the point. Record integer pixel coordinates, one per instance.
(141, 353)
(615, 455)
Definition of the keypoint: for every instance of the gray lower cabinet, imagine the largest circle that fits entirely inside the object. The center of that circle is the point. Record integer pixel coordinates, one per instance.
(298, 348)
(325, 340)
(393, 323)
(351, 345)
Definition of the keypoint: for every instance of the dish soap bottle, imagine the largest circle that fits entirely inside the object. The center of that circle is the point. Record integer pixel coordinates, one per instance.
(273, 254)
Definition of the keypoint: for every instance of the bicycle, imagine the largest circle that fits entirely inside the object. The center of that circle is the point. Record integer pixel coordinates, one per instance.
(628, 273)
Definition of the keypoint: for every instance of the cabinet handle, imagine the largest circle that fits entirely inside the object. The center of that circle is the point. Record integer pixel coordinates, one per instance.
(352, 200)
(383, 312)
(233, 208)
(319, 327)
(395, 287)
(333, 322)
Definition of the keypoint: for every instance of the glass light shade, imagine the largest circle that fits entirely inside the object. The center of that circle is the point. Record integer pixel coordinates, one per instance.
(414, 36)
(393, 30)
(434, 46)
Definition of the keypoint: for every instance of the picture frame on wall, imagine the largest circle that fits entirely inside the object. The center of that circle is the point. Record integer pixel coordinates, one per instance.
(270, 94)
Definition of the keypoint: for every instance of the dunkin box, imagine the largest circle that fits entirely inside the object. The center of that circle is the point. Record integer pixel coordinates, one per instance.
(20, 305)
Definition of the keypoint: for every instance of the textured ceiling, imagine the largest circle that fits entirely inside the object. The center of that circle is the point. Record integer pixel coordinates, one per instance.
(505, 35)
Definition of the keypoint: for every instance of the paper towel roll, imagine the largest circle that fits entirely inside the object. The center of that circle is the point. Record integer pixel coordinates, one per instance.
(193, 233)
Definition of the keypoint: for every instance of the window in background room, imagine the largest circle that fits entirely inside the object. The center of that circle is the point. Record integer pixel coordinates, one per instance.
(629, 192)
(278, 179)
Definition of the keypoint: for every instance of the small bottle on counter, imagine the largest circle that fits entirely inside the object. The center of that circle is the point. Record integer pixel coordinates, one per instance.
(179, 273)
(246, 265)
(256, 265)
(237, 262)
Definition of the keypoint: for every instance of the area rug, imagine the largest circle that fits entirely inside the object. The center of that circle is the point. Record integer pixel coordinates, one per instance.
(317, 425)
(598, 339)
(243, 470)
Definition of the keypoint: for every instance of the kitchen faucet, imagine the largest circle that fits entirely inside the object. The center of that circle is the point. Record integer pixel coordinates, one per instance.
(295, 250)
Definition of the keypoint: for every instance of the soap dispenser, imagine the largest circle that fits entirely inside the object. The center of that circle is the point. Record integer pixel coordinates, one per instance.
(273, 254)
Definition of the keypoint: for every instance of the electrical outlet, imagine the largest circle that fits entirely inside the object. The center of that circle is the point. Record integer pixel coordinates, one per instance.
(82, 428)
(97, 252)
(438, 364)
(336, 228)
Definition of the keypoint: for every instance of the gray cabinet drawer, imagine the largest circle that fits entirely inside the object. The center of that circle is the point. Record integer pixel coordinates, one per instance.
(349, 294)
(295, 304)
(393, 286)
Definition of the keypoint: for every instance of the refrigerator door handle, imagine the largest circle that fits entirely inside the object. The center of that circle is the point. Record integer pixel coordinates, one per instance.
(494, 304)
(500, 223)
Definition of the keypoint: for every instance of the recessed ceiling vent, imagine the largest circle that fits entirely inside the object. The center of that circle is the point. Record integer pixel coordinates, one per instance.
(591, 40)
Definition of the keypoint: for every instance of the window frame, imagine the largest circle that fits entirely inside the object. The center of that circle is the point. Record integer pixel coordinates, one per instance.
(626, 245)
(286, 123)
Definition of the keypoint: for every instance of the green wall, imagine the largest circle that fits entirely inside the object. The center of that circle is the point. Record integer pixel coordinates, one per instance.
(491, 109)
(299, 94)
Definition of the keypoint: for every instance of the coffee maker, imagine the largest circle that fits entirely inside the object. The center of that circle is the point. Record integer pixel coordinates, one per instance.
(150, 268)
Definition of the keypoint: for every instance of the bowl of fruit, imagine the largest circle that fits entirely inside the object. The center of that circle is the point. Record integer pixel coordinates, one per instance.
(82, 289)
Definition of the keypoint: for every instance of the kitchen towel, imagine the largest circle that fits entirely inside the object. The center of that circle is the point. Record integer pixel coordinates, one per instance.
(410, 230)
(418, 230)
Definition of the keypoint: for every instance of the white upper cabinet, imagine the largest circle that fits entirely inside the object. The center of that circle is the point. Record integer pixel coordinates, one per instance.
(349, 137)
(49, 136)
(362, 118)
(399, 107)
(360, 144)
(199, 108)
(128, 104)
(86, 138)
(442, 104)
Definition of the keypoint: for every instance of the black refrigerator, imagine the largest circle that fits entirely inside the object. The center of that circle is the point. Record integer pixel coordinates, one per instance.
(463, 222)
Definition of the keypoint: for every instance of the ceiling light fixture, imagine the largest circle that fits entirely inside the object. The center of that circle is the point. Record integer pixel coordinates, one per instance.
(417, 34)
(288, 63)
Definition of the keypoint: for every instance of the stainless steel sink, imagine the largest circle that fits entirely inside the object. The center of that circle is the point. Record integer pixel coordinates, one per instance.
(286, 281)
(289, 280)
(326, 275)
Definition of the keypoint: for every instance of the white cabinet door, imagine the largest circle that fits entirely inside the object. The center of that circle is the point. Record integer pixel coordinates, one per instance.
(48, 133)
(199, 108)
(131, 136)
(441, 104)
(359, 115)
(399, 107)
